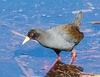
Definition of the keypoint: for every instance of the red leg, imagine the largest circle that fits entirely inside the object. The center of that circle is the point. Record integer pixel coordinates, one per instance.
(59, 57)
(73, 56)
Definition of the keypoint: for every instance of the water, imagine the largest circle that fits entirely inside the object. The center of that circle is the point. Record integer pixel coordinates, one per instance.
(17, 60)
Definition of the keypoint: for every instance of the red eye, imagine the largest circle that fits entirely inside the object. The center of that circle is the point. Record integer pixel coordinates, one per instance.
(31, 34)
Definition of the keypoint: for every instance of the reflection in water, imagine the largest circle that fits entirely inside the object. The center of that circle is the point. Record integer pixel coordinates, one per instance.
(59, 69)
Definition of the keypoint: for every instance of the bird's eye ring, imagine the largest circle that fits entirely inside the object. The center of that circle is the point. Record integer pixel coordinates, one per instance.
(31, 35)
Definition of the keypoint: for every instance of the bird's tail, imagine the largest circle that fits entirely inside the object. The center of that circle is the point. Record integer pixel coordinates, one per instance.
(78, 19)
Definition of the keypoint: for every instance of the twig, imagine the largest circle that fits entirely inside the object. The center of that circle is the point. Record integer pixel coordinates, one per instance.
(95, 22)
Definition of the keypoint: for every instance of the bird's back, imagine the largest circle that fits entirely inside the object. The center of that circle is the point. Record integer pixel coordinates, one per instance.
(64, 37)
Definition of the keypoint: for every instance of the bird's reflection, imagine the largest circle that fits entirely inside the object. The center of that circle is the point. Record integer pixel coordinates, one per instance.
(59, 69)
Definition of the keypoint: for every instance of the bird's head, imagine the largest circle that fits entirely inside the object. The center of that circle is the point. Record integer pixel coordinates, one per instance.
(32, 34)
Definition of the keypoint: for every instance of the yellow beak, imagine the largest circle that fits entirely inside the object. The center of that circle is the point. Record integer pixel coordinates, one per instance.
(26, 40)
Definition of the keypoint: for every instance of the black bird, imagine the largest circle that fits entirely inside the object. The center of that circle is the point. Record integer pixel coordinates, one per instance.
(61, 38)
